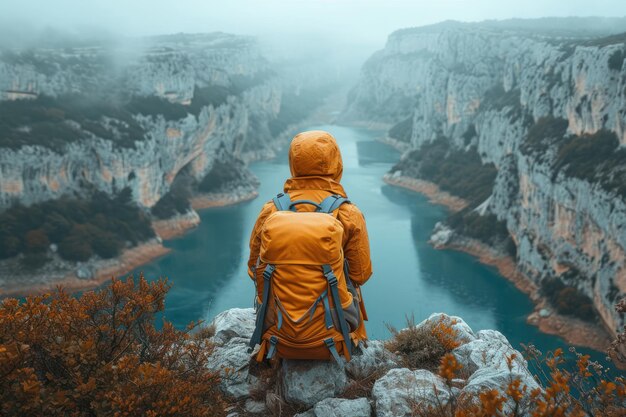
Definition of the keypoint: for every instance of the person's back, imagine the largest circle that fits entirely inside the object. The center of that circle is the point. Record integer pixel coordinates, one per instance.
(316, 168)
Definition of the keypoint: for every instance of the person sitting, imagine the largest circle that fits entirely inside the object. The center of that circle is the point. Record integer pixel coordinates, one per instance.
(309, 257)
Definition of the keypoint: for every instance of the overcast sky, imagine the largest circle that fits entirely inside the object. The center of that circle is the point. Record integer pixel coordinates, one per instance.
(367, 21)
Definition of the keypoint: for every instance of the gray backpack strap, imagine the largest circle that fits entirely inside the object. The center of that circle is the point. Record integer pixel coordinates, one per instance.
(282, 202)
(330, 344)
(332, 283)
(332, 203)
(260, 318)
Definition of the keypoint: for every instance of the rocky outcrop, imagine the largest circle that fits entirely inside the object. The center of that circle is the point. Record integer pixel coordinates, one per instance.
(487, 359)
(175, 69)
(498, 88)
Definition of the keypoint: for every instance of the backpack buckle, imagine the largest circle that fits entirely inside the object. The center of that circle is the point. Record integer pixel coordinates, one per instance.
(269, 270)
(272, 349)
(330, 344)
(330, 276)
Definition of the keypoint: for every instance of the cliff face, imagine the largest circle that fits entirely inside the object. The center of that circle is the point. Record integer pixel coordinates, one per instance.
(173, 69)
(501, 91)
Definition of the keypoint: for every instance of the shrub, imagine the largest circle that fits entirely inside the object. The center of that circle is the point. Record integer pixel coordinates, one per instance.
(459, 172)
(568, 300)
(221, 175)
(102, 354)
(55, 122)
(596, 158)
(77, 245)
(617, 350)
(402, 131)
(34, 261)
(497, 99)
(616, 60)
(155, 106)
(543, 134)
(296, 107)
(36, 241)
(176, 201)
(573, 388)
(486, 228)
(422, 346)
(101, 225)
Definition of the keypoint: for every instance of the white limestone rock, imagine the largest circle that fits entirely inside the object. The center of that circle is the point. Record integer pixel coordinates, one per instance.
(236, 322)
(341, 407)
(490, 349)
(231, 356)
(375, 357)
(232, 360)
(306, 382)
(464, 333)
(401, 388)
(441, 235)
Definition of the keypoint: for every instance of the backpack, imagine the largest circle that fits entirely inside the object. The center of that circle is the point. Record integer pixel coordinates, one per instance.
(307, 309)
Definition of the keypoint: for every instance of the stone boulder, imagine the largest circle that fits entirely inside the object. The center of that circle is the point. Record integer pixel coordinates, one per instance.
(341, 407)
(236, 322)
(374, 358)
(493, 364)
(464, 333)
(490, 349)
(400, 389)
(307, 382)
(233, 329)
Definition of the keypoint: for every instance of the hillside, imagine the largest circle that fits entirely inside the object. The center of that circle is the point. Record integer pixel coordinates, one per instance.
(528, 126)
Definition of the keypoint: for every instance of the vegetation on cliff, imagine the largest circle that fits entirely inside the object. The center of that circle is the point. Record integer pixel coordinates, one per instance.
(423, 347)
(402, 131)
(463, 174)
(574, 387)
(459, 172)
(485, 228)
(568, 300)
(596, 158)
(103, 353)
(295, 107)
(54, 122)
(80, 228)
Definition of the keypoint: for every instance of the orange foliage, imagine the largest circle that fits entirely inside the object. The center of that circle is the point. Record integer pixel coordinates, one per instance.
(446, 333)
(595, 394)
(101, 354)
(449, 367)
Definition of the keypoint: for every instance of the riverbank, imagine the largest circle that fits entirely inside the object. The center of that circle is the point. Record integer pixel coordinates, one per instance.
(431, 190)
(395, 143)
(93, 273)
(574, 331)
(83, 276)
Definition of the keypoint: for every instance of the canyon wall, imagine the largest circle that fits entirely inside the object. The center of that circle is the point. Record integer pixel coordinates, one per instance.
(243, 97)
(506, 92)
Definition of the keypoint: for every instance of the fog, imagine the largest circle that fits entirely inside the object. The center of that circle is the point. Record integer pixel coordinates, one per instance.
(366, 22)
(338, 35)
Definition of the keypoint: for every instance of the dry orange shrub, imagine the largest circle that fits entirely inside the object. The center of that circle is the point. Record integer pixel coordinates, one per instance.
(576, 389)
(101, 355)
(446, 334)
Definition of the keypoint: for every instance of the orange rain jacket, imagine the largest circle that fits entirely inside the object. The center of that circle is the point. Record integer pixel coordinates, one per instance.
(316, 170)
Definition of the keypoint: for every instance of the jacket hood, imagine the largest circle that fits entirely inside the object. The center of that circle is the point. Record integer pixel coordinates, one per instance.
(315, 154)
